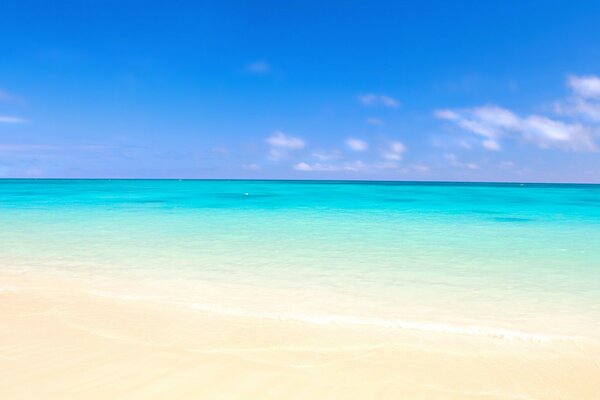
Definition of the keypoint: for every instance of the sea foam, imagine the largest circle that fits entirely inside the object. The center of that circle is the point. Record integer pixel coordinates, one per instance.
(352, 320)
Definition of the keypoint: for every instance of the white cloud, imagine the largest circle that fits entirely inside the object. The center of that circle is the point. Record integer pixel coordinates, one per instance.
(585, 86)
(577, 106)
(367, 99)
(7, 119)
(391, 156)
(491, 144)
(328, 167)
(398, 147)
(280, 144)
(585, 97)
(495, 123)
(326, 155)
(488, 121)
(394, 152)
(454, 161)
(388, 101)
(446, 114)
(374, 121)
(372, 99)
(281, 140)
(357, 144)
(259, 67)
(551, 133)
(356, 166)
(302, 166)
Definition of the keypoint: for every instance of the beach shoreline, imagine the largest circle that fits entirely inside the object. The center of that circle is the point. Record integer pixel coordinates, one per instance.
(166, 289)
(62, 338)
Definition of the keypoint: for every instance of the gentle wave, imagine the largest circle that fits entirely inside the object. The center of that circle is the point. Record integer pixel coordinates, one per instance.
(435, 327)
(340, 319)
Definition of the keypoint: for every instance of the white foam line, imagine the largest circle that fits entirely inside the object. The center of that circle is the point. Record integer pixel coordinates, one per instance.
(333, 319)
(435, 327)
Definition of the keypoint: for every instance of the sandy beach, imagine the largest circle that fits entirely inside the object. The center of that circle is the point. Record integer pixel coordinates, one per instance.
(64, 338)
(300, 290)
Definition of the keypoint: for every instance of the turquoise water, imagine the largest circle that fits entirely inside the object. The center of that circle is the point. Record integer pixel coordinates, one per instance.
(497, 254)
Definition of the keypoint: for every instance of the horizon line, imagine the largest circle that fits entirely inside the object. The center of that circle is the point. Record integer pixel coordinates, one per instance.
(306, 180)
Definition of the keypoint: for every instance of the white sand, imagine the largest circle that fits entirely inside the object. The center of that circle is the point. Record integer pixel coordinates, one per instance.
(69, 339)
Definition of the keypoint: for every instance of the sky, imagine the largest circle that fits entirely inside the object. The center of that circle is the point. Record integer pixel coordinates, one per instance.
(385, 90)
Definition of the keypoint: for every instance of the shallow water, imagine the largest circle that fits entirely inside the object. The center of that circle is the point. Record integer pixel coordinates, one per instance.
(506, 260)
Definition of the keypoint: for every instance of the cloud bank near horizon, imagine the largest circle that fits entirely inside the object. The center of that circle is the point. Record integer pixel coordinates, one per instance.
(572, 125)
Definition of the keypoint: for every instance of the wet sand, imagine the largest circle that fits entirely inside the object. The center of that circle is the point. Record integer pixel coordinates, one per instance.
(59, 339)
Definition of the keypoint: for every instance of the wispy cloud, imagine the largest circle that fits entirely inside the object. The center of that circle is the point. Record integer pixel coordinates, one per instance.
(585, 98)
(491, 144)
(323, 155)
(388, 161)
(8, 119)
(494, 124)
(372, 99)
(356, 144)
(280, 144)
(585, 86)
(394, 151)
(582, 107)
(259, 67)
(357, 166)
(455, 162)
(281, 140)
(330, 167)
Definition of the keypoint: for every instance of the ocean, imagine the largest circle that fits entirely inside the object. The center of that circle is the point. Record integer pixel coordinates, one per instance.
(514, 261)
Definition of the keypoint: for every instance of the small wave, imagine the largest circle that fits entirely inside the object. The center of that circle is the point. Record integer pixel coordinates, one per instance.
(352, 320)
(434, 327)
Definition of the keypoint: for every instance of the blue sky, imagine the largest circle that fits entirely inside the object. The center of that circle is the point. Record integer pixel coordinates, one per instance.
(398, 90)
